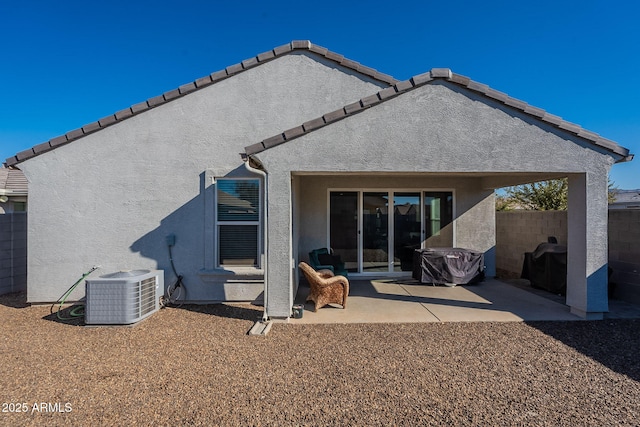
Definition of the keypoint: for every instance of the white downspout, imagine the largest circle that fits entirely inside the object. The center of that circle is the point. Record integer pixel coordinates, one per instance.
(263, 173)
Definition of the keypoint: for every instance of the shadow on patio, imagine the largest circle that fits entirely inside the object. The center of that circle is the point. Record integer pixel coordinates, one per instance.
(406, 300)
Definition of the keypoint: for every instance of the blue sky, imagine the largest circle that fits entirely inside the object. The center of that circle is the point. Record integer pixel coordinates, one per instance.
(69, 63)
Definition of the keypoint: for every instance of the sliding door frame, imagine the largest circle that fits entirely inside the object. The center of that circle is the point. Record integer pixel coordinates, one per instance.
(391, 229)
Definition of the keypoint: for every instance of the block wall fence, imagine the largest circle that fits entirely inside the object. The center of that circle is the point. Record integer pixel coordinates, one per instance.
(518, 232)
(13, 252)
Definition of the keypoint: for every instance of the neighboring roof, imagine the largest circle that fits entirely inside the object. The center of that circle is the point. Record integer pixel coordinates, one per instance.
(304, 45)
(428, 78)
(12, 182)
(626, 198)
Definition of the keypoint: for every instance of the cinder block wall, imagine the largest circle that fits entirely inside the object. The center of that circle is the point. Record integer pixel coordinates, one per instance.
(518, 232)
(13, 252)
(624, 253)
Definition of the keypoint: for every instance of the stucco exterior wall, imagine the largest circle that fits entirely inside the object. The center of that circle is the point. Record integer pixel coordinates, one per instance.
(440, 128)
(112, 197)
(437, 128)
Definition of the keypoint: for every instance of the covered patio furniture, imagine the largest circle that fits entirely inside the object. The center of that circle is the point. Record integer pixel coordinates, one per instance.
(448, 266)
(546, 267)
(325, 289)
(324, 259)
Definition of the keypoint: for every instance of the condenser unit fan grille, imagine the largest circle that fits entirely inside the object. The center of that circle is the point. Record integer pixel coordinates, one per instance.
(148, 301)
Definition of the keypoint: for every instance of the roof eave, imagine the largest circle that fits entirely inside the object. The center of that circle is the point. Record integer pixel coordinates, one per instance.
(620, 153)
(12, 193)
(295, 45)
(626, 159)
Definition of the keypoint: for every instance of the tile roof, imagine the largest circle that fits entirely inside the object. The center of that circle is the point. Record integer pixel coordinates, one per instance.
(13, 181)
(296, 45)
(427, 78)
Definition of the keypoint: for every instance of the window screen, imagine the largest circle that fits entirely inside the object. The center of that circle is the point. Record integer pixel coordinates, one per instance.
(238, 221)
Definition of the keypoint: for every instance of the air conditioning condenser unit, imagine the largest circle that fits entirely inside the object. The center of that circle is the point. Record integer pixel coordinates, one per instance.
(124, 297)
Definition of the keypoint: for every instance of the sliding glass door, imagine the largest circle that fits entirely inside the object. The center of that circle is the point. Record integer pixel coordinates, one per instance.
(438, 218)
(378, 231)
(375, 231)
(343, 227)
(407, 229)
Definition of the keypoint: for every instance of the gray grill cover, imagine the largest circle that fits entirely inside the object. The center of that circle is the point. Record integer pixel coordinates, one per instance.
(456, 266)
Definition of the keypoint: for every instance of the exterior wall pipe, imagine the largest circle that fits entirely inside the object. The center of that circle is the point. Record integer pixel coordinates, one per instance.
(263, 173)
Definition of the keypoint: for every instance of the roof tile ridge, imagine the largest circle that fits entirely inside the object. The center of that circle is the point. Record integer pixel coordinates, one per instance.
(382, 95)
(345, 62)
(427, 78)
(199, 83)
(336, 115)
(530, 110)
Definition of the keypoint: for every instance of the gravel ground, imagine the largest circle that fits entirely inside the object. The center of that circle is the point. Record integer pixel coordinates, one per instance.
(196, 365)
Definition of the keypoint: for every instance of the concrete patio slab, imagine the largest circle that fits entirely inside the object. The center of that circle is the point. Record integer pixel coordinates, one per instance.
(489, 301)
(406, 300)
(368, 302)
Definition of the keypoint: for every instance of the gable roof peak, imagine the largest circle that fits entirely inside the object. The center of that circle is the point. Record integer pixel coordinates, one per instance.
(285, 49)
(427, 78)
(441, 73)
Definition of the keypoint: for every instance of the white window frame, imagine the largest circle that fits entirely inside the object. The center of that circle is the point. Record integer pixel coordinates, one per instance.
(218, 224)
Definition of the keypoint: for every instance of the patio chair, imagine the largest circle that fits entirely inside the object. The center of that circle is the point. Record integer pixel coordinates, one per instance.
(325, 288)
(324, 259)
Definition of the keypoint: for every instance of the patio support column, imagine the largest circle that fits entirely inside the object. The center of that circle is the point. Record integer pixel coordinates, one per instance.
(278, 244)
(587, 245)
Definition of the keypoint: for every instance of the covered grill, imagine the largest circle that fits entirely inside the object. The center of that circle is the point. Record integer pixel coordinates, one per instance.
(450, 266)
(546, 267)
